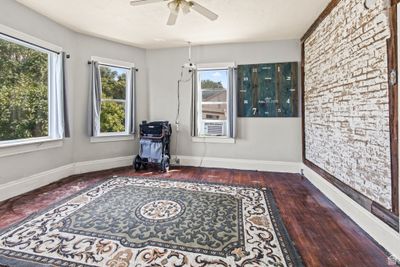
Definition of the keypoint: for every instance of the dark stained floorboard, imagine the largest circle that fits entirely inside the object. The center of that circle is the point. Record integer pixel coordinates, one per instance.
(323, 234)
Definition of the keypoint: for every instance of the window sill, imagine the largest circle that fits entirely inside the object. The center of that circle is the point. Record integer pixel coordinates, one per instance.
(221, 140)
(111, 138)
(28, 145)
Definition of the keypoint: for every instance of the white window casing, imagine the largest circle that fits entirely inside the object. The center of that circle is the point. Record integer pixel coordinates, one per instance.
(129, 100)
(55, 96)
(219, 131)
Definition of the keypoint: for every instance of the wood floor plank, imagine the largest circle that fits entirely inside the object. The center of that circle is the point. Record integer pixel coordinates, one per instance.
(323, 234)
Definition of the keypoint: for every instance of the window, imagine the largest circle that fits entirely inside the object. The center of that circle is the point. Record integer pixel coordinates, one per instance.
(116, 98)
(113, 99)
(214, 96)
(30, 92)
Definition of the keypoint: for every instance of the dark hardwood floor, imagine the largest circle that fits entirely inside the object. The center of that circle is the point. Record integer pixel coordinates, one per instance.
(323, 235)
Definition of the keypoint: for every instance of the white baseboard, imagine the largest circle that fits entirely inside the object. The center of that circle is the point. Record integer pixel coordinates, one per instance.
(102, 164)
(29, 183)
(378, 230)
(241, 164)
(32, 182)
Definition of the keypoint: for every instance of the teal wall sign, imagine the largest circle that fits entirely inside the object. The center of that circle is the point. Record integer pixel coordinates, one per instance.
(268, 90)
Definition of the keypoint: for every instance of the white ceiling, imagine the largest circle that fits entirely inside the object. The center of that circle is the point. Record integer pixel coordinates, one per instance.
(145, 26)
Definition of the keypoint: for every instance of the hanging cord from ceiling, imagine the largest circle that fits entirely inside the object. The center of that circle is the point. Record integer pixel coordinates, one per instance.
(178, 111)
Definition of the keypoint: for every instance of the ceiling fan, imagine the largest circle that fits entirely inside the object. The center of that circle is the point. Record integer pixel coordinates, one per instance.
(179, 5)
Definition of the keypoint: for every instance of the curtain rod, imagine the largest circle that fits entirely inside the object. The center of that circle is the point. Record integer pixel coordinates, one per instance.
(33, 44)
(108, 65)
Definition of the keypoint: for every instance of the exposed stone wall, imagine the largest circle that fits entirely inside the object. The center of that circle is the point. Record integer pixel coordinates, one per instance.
(346, 98)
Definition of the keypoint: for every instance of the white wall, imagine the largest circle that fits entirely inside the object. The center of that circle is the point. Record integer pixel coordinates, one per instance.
(261, 139)
(269, 139)
(83, 149)
(81, 48)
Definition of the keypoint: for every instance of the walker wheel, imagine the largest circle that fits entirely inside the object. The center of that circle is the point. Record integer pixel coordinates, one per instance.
(145, 163)
(137, 163)
(165, 165)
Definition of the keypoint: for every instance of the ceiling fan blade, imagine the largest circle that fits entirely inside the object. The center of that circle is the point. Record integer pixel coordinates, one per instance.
(172, 18)
(144, 2)
(203, 11)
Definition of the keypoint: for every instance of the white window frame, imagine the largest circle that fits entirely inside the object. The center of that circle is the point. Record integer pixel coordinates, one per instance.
(129, 105)
(25, 145)
(209, 138)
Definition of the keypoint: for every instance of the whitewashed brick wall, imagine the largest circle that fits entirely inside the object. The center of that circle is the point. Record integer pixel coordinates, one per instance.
(346, 98)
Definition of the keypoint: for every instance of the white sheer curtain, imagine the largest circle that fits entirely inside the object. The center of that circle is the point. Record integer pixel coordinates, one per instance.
(58, 113)
(94, 100)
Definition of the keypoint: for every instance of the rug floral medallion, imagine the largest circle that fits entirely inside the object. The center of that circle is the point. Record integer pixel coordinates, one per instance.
(129, 221)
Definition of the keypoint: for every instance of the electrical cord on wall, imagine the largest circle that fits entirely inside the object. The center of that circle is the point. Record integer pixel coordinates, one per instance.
(177, 117)
(181, 80)
(204, 154)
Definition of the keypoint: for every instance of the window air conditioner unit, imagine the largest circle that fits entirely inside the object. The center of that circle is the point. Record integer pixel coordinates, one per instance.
(214, 128)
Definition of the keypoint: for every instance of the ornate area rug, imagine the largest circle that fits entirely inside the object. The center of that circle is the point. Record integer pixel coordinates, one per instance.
(128, 221)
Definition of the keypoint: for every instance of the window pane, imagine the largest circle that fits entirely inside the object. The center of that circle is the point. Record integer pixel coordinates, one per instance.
(214, 79)
(113, 82)
(214, 111)
(23, 92)
(112, 117)
(214, 95)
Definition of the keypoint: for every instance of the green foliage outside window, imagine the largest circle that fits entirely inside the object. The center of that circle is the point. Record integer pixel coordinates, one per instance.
(112, 112)
(23, 92)
(208, 84)
(112, 117)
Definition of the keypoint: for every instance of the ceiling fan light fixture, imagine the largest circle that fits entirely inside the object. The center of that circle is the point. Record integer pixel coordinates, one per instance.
(176, 5)
(185, 6)
(173, 7)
